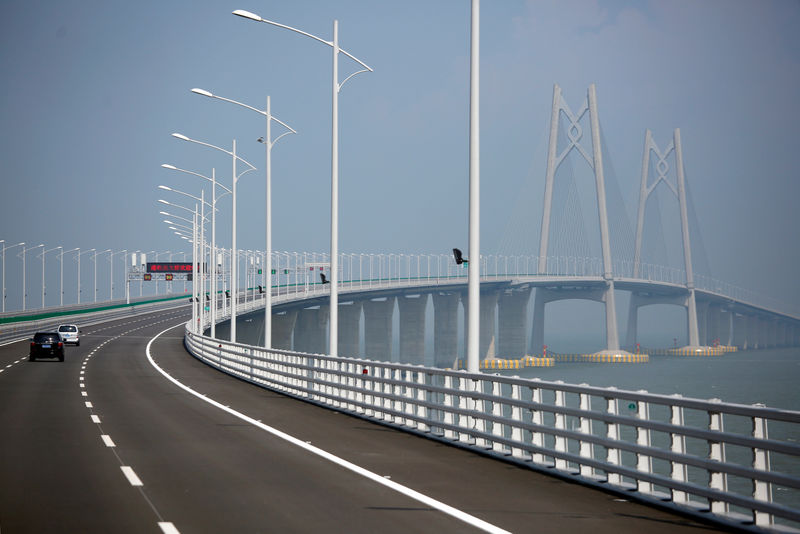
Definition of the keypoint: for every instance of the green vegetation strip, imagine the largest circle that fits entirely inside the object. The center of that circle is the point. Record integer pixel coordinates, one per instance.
(48, 315)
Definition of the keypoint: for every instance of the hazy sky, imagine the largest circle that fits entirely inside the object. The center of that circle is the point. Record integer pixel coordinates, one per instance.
(92, 91)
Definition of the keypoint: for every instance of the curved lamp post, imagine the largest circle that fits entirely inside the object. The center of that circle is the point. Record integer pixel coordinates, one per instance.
(337, 86)
(42, 255)
(78, 256)
(268, 143)
(4, 269)
(95, 270)
(61, 301)
(234, 180)
(214, 199)
(24, 288)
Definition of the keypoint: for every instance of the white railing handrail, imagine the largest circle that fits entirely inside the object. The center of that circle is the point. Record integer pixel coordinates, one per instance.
(578, 430)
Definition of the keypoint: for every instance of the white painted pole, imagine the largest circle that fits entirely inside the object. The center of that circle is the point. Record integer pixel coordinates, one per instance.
(333, 333)
(473, 289)
(234, 253)
(268, 255)
(213, 253)
(61, 280)
(43, 254)
(23, 278)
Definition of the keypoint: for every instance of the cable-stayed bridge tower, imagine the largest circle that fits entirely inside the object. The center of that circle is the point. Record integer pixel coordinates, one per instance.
(678, 189)
(594, 159)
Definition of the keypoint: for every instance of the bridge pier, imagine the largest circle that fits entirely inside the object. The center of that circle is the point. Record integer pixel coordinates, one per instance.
(311, 329)
(412, 328)
(512, 319)
(378, 315)
(445, 328)
(282, 327)
(349, 322)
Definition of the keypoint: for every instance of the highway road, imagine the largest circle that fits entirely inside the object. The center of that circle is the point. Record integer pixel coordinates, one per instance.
(105, 442)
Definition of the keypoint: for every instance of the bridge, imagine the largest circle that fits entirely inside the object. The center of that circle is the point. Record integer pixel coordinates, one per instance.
(702, 459)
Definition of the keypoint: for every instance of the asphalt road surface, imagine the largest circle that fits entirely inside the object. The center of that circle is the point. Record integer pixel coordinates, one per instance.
(104, 442)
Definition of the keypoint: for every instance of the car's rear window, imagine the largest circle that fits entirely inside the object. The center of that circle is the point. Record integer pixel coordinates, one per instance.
(45, 337)
(67, 328)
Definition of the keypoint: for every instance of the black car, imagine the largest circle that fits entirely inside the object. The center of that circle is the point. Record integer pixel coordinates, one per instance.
(47, 345)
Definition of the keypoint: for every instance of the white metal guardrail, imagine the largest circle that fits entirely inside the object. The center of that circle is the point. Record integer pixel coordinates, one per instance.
(739, 464)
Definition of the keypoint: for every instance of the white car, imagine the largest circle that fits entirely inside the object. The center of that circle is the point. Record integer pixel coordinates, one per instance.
(69, 334)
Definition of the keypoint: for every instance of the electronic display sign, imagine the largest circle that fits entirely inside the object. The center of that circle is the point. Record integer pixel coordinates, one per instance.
(169, 267)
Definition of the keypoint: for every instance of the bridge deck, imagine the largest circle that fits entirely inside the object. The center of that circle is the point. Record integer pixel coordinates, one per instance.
(204, 470)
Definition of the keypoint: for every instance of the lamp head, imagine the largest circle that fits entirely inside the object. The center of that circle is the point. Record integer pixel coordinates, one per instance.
(164, 187)
(181, 137)
(163, 201)
(247, 15)
(201, 92)
(168, 166)
(260, 139)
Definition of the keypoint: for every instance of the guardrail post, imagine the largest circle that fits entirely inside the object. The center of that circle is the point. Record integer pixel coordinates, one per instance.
(716, 452)
(516, 416)
(762, 491)
(465, 387)
(497, 411)
(481, 424)
(612, 433)
(447, 416)
(644, 463)
(678, 446)
(422, 411)
(368, 384)
(537, 418)
(561, 424)
(585, 428)
(410, 395)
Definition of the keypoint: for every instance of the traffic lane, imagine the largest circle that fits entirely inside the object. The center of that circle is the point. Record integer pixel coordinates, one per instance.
(514, 498)
(14, 352)
(204, 469)
(55, 473)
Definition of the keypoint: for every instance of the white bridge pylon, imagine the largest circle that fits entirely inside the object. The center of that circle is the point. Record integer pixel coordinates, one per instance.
(679, 190)
(595, 162)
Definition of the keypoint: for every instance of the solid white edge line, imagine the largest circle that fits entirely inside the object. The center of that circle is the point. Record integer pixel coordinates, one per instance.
(408, 492)
(168, 528)
(131, 476)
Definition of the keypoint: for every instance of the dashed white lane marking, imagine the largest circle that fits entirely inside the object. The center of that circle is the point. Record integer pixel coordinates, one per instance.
(131, 476)
(408, 492)
(89, 404)
(95, 419)
(107, 440)
(168, 528)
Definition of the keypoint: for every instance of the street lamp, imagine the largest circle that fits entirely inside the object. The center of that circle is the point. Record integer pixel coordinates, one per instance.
(234, 180)
(111, 271)
(61, 256)
(333, 334)
(24, 288)
(95, 270)
(78, 256)
(4, 268)
(42, 255)
(214, 199)
(268, 143)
